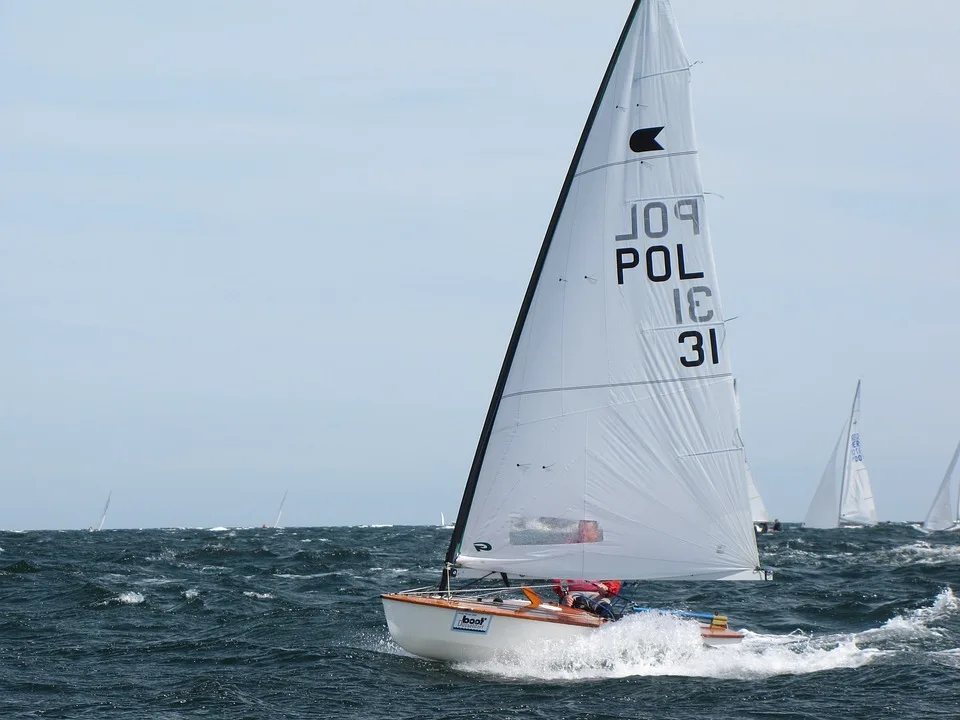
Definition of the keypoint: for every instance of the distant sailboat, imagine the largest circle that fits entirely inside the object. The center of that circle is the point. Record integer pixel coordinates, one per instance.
(276, 523)
(103, 515)
(758, 511)
(844, 496)
(945, 512)
(443, 523)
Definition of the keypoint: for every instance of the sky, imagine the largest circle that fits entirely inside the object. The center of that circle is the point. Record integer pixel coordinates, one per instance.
(249, 247)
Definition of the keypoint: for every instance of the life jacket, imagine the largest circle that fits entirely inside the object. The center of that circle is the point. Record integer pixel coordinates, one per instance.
(562, 587)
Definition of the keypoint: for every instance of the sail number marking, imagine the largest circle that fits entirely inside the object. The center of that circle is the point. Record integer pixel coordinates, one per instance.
(664, 262)
(856, 453)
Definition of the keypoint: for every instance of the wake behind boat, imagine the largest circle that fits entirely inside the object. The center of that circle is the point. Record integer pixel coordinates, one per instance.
(614, 420)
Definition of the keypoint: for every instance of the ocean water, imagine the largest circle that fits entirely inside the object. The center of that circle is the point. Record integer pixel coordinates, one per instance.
(287, 623)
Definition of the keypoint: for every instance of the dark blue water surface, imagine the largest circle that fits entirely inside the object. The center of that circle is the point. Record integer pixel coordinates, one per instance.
(287, 623)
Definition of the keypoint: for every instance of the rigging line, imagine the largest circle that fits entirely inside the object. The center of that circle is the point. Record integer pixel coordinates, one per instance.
(637, 160)
(635, 383)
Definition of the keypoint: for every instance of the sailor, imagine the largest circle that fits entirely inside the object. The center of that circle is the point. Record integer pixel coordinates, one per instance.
(776, 525)
(588, 595)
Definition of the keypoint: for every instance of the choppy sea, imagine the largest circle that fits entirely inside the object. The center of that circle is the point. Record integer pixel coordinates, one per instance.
(287, 623)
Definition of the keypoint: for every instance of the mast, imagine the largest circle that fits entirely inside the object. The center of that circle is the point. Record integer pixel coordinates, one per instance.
(846, 456)
(487, 430)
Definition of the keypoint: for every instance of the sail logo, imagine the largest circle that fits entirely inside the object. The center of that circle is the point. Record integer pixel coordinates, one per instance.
(645, 140)
(471, 622)
(483, 546)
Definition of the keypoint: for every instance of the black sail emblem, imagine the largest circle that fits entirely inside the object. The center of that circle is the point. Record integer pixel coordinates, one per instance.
(645, 140)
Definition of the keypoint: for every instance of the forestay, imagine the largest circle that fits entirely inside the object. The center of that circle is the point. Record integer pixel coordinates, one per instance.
(613, 449)
(944, 513)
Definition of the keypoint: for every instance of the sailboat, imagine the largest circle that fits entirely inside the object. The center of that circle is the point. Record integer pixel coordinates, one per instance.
(276, 523)
(443, 523)
(844, 496)
(945, 512)
(758, 511)
(610, 448)
(103, 515)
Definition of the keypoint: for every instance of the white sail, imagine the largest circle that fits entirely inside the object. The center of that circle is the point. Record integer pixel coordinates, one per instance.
(613, 448)
(758, 511)
(945, 513)
(103, 515)
(844, 494)
(276, 522)
(824, 508)
(856, 505)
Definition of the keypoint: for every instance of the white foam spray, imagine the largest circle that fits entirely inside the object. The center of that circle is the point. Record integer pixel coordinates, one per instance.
(652, 644)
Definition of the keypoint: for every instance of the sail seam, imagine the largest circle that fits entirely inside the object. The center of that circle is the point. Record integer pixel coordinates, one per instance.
(613, 385)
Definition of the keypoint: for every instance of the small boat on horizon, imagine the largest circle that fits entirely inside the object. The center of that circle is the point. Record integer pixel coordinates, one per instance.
(103, 515)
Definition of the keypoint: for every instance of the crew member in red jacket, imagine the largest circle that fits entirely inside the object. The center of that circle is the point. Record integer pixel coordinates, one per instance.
(566, 590)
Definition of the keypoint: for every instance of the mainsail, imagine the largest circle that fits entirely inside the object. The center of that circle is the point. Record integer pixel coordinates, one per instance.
(844, 494)
(945, 512)
(611, 446)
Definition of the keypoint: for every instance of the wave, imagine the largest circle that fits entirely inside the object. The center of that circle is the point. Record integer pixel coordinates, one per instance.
(659, 644)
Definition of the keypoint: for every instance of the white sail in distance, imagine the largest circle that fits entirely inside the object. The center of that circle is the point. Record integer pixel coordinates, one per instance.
(844, 494)
(945, 511)
(276, 523)
(758, 511)
(103, 515)
(613, 449)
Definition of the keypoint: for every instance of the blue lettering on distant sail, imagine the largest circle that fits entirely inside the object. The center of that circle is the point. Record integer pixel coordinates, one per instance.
(856, 454)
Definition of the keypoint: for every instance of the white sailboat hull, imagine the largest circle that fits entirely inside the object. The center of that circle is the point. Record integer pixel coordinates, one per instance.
(454, 630)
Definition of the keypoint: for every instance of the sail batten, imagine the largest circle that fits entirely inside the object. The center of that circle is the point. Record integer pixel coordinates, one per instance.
(611, 447)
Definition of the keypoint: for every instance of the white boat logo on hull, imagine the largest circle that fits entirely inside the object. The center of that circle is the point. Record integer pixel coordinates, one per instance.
(471, 622)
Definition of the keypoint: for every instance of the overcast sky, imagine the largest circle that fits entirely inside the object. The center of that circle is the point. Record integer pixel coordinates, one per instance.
(248, 247)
